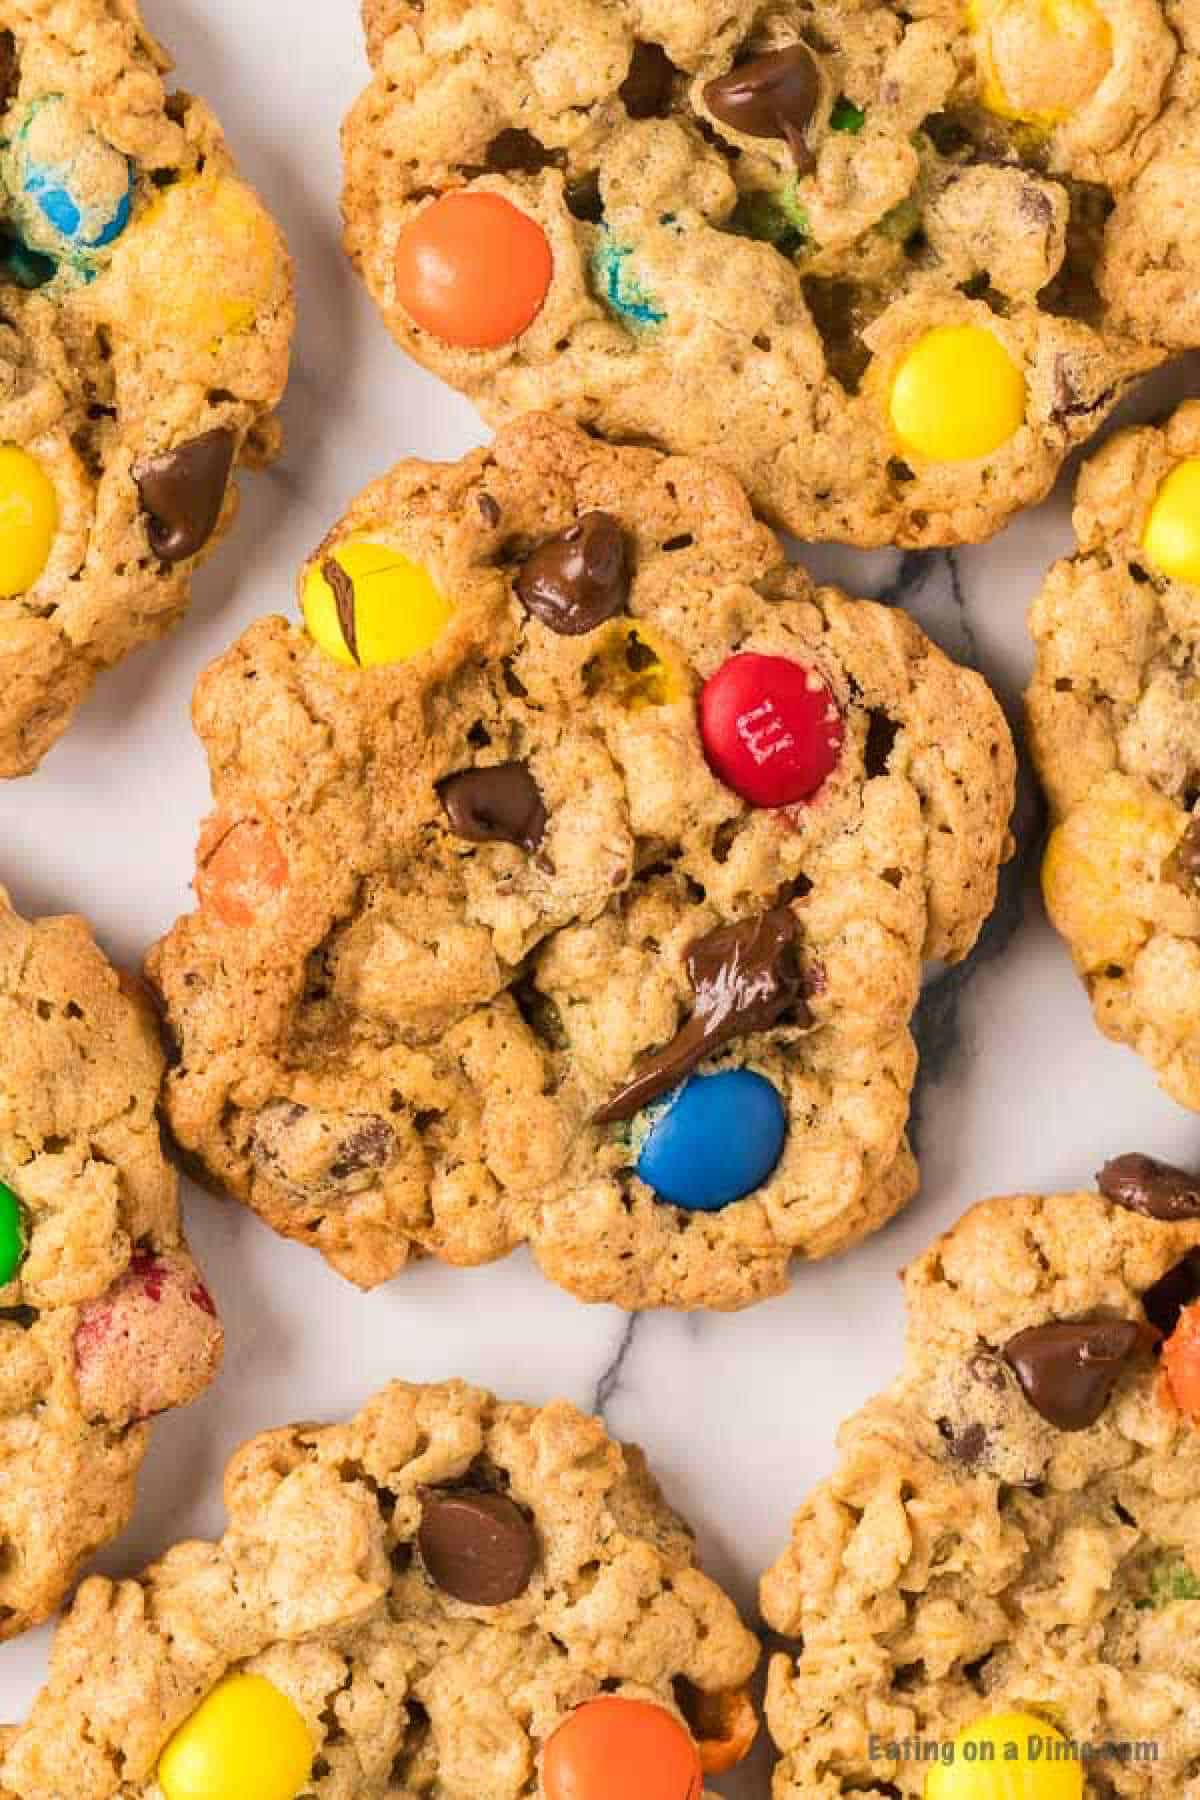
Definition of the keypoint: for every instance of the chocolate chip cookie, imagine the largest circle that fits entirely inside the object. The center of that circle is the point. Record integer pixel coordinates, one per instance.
(1115, 731)
(144, 329)
(569, 881)
(448, 1595)
(104, 1319)
(889, 265)
(1009, 1549)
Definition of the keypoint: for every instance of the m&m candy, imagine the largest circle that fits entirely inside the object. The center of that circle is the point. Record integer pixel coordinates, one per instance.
(715, 1140)
(1009, 1756)
(74, 191)
(1171, 538)
(957, 395)
(614, 1749)
(771, 729)
(1181, 1362)
(367, 604)
(12, 1235)
(1039, 60)
(239, 869)
(246, 1741)
(473, 270)
(28, 519)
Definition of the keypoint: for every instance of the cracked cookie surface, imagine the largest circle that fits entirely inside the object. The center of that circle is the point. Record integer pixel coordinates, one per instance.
(147, 314)
(399, 1647)
(1115, 733)
(487, 951)
(104, 1319)
(1012, 1529)
(890, 264)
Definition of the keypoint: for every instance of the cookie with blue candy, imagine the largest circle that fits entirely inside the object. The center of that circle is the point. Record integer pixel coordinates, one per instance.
(147, 315)
(571, 869)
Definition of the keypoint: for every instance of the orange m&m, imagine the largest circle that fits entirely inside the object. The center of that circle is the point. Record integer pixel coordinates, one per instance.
(1181, 1361)
(615, 1749)
(473, 270)
(239, 867)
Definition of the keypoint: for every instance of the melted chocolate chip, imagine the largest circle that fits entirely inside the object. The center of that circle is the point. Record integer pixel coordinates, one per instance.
(183, 491)
(584, 199)
(1179, 1287)
(477, 1547)
(966, 1443)
(777, 96)
(489, 510)
(343, 599)
(1075, 394)
(882, 732)
(498, 805)
(745, 976)
(1068, 1369)
(372, 1145)
(646, 90)
(1155, 1189)
(10, 68)
(580, 578)
(1183, 864)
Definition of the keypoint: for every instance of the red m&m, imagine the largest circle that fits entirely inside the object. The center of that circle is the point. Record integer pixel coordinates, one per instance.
(771, 729)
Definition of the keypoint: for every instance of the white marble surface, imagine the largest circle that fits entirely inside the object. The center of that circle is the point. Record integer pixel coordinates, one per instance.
(1017, 1091)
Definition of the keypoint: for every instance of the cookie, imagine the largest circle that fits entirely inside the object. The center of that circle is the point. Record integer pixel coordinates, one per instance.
(147, 312)
(448, 1595)
(1115, 733)
(1008, 1552)
(575, 829)
(104, 1318)
(889, 265)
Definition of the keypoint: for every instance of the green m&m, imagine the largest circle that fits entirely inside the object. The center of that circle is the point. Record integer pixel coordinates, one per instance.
(12, 1234)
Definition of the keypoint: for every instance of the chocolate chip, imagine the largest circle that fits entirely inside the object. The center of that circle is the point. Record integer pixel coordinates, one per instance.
(746, 976)
(580, 578)
(1074, 394)
(343, 599)
(372, 1145)
(1068, 1369)
(776, 95)
(584, 199)
(965, 1443)
(517, 152)
(1183, 865)
(1155, 1189)
(477, 1547)
(10, 68)
(498, 805)
(1179, 1287)
(882, 732)
(183, 491)
(646, 90)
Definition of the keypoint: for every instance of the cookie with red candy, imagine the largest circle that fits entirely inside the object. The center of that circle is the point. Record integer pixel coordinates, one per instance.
(105, 1319)
(571, 869)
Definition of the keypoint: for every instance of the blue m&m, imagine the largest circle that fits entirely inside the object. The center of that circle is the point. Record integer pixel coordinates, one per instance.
(714, 1140)
(620, 287)
(72, 191)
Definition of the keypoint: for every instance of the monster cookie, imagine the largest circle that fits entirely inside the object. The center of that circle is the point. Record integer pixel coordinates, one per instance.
(889, 264)
(448, 1595)
(104, 1319)
(1009, 1550)
(146, 312)
(569, 881)
(1115, 730)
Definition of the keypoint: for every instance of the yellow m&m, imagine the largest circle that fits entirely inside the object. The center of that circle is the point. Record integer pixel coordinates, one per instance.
(1171, 539)
(957, 395)
(246, 1741)
(367, 604)
(28, 520)
(1040, 60)
(1010, 1756)
(636, 667)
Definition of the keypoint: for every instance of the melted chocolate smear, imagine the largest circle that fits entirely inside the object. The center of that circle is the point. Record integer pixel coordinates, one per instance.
(966, 1444)
(500, 805)
(343, 599)
(577, 580)
(10, 68)
(646, 90)
(1068, 1369)
(746, 976)
(775, 96)
(1157, 1190)
(183, 491)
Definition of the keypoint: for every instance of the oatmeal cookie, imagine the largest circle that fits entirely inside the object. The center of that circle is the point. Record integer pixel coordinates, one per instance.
(1009, 1549)
(144, 332)
(888, 263)
(104, 1319)
(1115, 731)
(569, 883)
(447, 1595)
